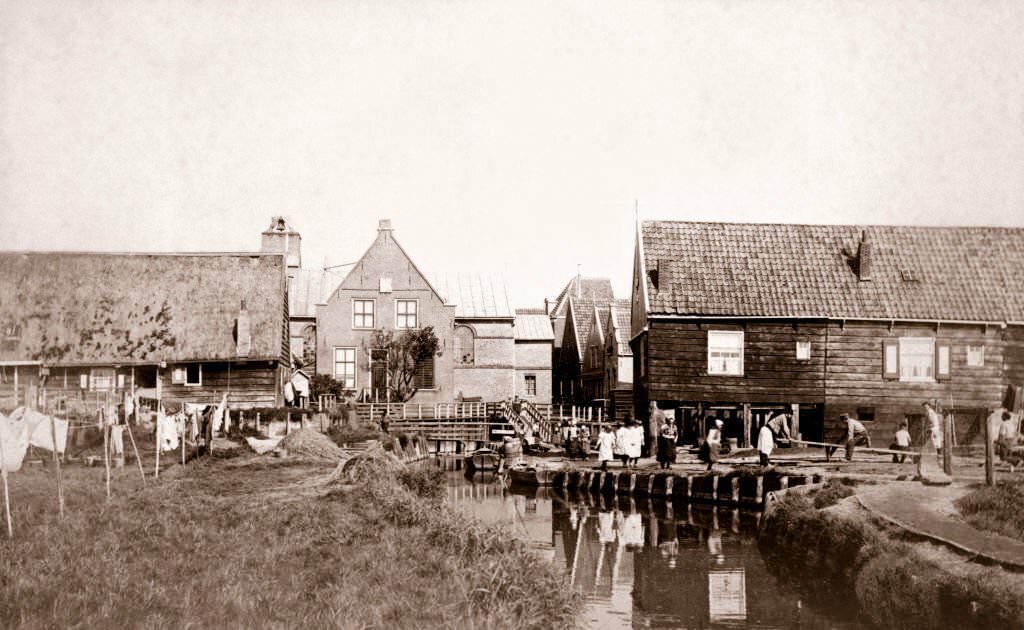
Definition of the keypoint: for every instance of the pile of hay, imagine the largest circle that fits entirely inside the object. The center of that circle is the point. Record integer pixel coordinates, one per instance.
(311, 443)
(372, 464)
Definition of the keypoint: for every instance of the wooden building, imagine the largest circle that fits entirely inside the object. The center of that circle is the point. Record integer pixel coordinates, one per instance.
(565, 378)
(736, 320)
(618, 357)
(184, 327)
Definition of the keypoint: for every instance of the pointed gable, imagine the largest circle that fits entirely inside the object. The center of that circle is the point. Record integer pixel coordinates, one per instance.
(386, 267)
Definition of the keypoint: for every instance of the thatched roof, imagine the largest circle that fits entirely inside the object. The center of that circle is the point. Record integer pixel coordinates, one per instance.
(100, 308)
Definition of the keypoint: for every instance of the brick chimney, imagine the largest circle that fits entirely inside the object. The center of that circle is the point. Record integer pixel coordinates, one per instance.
(864, 258)
(280, 238)
(384, 225)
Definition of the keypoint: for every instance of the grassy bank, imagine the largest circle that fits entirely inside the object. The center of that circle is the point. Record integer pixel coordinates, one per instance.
(263, 543)
(897, 584)
(997, 509)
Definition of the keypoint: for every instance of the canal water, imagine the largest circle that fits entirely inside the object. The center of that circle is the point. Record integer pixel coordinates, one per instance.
(648, 564)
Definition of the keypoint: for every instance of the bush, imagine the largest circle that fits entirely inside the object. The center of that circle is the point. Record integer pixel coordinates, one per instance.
(427, 483)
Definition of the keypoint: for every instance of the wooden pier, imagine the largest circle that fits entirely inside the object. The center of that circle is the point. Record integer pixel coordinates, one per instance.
(731, 489)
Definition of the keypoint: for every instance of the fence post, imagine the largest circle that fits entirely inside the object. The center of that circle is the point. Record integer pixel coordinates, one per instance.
(990, 473)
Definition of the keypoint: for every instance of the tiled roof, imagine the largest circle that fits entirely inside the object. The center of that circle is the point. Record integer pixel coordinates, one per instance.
(474, 295)
(309, 287)
(931, 273)
(620, 311)
(109, 308)
(533, 325)
(599, 289)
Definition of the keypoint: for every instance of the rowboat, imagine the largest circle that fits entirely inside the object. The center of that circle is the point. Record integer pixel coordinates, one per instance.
(482, 459)
(532, 475)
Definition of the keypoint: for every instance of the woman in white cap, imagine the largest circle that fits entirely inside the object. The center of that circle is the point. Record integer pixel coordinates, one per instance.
(713, 444)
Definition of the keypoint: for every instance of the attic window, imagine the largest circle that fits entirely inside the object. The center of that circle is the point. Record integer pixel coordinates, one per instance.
(908, 275)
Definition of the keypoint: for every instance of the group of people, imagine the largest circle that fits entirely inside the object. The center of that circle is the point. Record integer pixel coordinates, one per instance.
(625, 444)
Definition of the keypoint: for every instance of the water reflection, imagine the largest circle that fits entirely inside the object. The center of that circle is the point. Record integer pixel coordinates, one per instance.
(650, 564)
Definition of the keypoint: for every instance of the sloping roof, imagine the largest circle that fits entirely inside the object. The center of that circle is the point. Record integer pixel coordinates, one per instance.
(600, 320)
(620, 314)
(533, 325)
(309, 287)
(475, 295)
(581, 310)
(599, 289)
(761, 270)
(122, 308)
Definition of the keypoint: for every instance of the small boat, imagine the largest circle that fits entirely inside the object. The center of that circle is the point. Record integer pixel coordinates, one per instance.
(482, 459)
(531, 475)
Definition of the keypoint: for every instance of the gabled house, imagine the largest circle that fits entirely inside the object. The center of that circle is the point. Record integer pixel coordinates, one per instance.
(565, 374)
(182, 327)
(618, 368)
(471, 314)
(736, 320)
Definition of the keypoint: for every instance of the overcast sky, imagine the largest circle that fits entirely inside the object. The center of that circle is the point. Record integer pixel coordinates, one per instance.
(511, 137)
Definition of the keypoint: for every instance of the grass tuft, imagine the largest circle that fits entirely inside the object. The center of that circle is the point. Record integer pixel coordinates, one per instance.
(998, 508)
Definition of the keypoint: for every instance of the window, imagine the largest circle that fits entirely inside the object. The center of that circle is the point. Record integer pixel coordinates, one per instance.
(725, 352)
(405, 314)
(803, 350)
(916, 359)
(531, 385)
(189, 375)
(101, 379)
(975, 356)
(463, 345)
(423, 377)
(345, 367)
(362, 313)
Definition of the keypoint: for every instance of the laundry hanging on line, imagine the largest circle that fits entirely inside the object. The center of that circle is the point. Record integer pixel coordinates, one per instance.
(14, 436)
(167, 431)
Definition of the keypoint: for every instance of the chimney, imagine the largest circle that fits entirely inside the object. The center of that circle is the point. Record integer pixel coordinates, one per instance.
(243, 333)
(864, 258)
(547, 306)
(280, 238)
(384, 225)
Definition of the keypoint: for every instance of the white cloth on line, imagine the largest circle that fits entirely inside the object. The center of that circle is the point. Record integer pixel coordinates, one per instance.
(289, 392)
(263, 446)
(167, 431)
(218, 414)
(117, 439)
(42, 436)
(14, 437)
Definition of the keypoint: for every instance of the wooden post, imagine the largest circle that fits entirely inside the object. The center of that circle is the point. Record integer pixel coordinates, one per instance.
(747, 420)
(156, 467)
(288, 423)
(184, 430)
(795, 429)
(56, 460)
(3, 473)
(15, 404)
(106, 451)
(990, 473)
(258, 417)
(947, 444)
(138, 458)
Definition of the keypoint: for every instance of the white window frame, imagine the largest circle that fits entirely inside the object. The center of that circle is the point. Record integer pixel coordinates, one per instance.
(104, 375)
(527, 380)
(714, 348)
(415, 315)
(344, 380)
(803, 350)
(975, 356)
(372, 314)
(179, 375)
(914, 347)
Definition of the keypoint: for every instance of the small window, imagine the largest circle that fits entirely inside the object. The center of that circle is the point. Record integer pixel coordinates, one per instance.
(190, 374)
(531, 385)
(866, 414)
(345, 367)
(975, 356)
(803, 350)
(405, 314)
(101, 379)
(725, 352)
(385, 284)
(423, 376)
(362, 313)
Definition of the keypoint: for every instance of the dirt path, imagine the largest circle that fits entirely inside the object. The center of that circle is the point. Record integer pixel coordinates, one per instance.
(929, 511)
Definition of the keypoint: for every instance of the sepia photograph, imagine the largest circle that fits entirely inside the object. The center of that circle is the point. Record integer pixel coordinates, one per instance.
(688, 314)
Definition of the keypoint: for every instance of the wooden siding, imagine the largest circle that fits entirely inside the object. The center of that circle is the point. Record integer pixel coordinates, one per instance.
(1013, 355)
(854, 377)
(677, 363)
(255, 384)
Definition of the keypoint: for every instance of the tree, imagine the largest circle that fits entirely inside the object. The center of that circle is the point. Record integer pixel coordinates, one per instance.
(406, 352)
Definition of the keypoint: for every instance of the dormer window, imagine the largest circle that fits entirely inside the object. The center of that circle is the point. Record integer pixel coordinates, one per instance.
(908, 275)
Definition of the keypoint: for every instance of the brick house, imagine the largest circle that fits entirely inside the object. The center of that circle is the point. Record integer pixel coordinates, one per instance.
(534, 341)
(736, 320)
